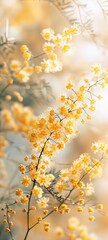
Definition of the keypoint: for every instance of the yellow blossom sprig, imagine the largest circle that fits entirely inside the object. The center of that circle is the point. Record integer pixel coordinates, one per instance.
(75, 175)
(62, 123)
(101, 147)
(16, 73)
(52, 41)
(63, 111)
(47, 136)
(18, 78)
(62, 205)
(91, 218)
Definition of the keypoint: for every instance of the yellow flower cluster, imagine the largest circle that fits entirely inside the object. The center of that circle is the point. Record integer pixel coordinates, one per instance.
(26, 181)
(57, 127)
(26, 52)
(18, 118)
(52, 42)
(99, 147)
(50, 133)
(74, 178)
(37, 192)
(43, 202)
(8, 120)
(75, 230)
(15, 73)
(46, 226)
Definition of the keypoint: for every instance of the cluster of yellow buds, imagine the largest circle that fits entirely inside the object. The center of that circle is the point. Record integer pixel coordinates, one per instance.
(26, 53)
(52, 41)
(8, 213)
(46, 226)
(64, 209)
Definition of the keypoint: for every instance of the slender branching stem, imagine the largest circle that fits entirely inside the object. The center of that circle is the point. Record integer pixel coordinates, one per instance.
(10, 232)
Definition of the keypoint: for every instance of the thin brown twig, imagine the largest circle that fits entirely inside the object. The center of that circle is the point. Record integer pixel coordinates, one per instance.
(10, 232)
